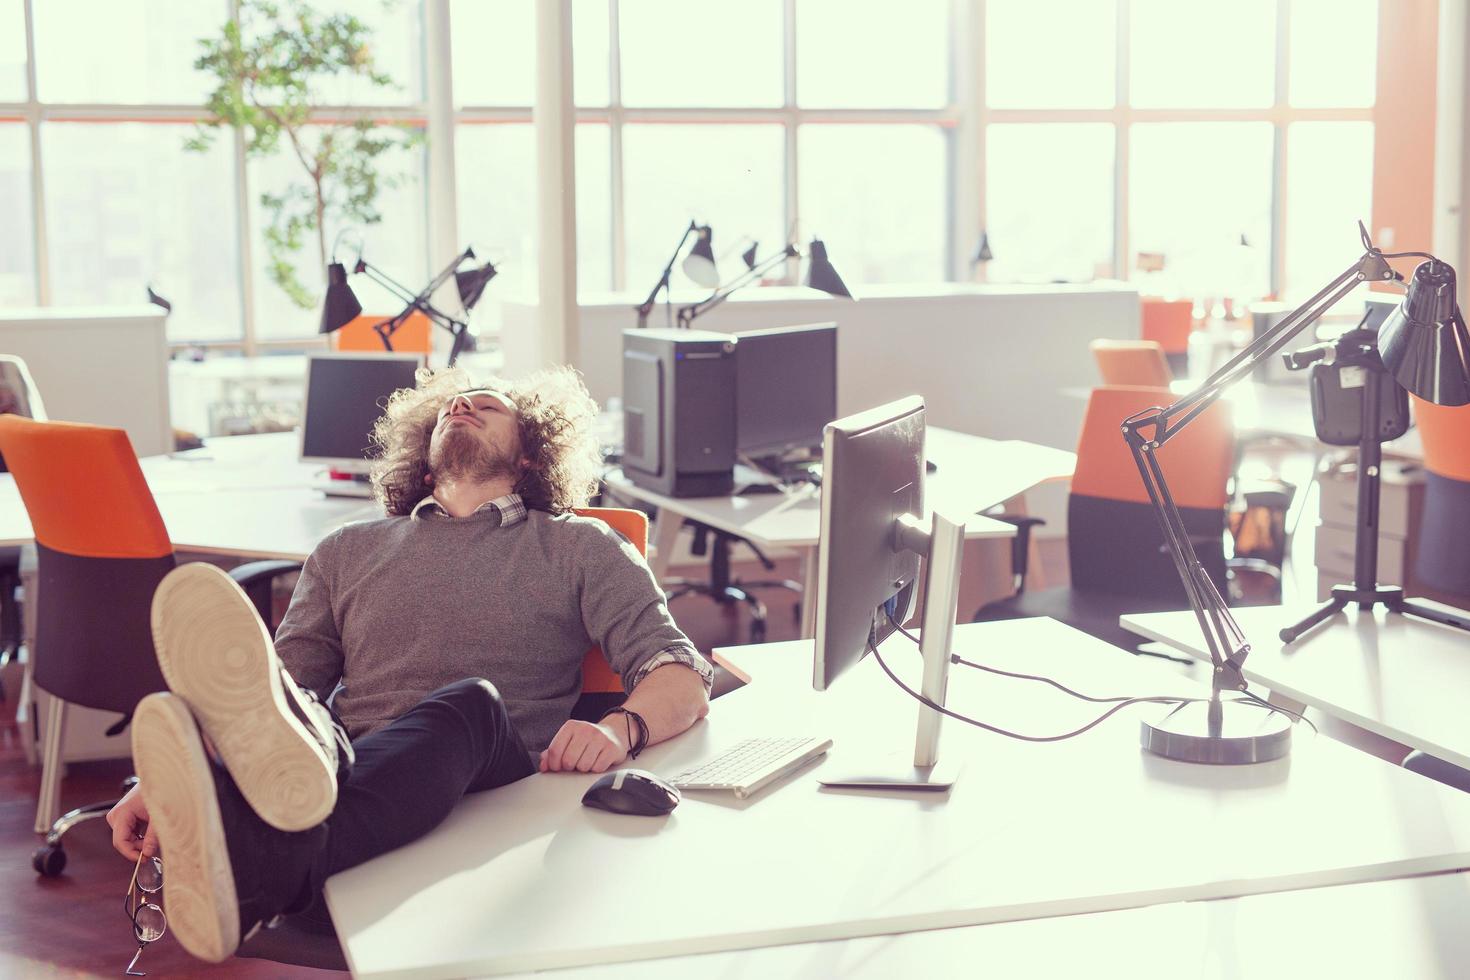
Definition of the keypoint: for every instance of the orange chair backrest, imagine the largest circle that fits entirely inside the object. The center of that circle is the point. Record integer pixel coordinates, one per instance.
(1197, 463)
(1138, 363)
(597, 676)
(1446, 434)
(83, 489)
(413, 337)
(1168, 322)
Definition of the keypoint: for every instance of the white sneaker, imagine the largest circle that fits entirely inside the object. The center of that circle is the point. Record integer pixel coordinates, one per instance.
(278, 743)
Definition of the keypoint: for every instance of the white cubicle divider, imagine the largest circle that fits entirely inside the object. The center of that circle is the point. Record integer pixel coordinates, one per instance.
(103, 365)
(989, 360)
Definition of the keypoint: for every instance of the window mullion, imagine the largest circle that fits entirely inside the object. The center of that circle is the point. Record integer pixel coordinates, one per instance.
(615, 122)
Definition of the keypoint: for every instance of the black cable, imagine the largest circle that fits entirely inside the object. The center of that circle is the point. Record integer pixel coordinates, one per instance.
(1119, 703)
(873, 648)
(956, 658)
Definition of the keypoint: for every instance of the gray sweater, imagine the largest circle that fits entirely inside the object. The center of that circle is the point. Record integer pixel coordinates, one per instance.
(394, 609)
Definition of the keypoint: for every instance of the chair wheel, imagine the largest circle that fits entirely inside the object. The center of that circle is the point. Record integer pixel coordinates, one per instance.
(49, 860)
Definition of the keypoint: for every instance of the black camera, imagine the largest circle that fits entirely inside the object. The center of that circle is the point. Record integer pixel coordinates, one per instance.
(1338, 373)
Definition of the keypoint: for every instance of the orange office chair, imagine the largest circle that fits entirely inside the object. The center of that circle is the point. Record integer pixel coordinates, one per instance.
(18, 396)
(1168, 322)
(1136, 363)
(101, 549)
(1441, 561)
(414, 337)
(1119, 563)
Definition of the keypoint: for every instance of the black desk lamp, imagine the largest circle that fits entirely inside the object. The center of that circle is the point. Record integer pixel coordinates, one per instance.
(341, 305)
(820, 275)
(699, 265)
(1246, 729)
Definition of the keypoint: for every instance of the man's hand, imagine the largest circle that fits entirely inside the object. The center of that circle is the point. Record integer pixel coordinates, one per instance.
(129, 822)
(581, 746)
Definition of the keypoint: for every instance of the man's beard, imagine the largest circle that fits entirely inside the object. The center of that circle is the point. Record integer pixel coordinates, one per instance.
(460, 457)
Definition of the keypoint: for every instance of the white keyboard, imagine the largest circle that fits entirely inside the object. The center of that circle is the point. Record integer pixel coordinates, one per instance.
(749, 765)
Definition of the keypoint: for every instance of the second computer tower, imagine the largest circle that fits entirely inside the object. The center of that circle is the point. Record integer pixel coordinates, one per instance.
(679, 411)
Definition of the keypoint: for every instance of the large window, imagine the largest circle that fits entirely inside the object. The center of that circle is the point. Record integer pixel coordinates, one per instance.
(1237, 140)
(841, 128)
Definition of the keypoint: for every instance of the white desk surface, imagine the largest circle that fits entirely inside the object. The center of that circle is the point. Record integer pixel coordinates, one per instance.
(1397, 676)
(972, 474)
(525, 878)
(1407, 928)
(243, 495)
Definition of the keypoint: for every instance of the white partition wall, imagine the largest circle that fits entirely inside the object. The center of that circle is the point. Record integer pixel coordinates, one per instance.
(990, 360)
(106, 366)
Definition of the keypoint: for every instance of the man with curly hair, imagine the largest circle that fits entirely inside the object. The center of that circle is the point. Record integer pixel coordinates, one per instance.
(449, 637)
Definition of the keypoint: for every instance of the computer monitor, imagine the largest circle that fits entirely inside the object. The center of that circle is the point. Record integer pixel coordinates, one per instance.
(345, 395)
(874, 538)
(785, 388)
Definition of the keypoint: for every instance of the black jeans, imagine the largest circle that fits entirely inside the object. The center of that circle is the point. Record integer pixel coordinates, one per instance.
(408, 776)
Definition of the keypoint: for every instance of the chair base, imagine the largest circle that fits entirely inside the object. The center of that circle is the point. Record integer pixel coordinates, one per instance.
(49, 859)
(735, 594)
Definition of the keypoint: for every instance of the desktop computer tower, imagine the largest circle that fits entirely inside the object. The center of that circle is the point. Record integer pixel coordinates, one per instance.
(679, 411)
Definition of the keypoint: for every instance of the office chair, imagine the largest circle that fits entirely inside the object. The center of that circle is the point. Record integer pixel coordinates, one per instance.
(1441, 560)
(1115, 547)
(101, 550)
(1168, 322)
(721, 587)
(18, 396)
(1131, 362)
(414, 337)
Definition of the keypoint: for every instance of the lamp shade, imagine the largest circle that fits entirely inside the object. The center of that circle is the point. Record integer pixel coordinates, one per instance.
(471, 284)
(341, 305)
(982, 251)
(699, 264)
(821, 275)
(748, 256)
(159, 301)
(1423, 342)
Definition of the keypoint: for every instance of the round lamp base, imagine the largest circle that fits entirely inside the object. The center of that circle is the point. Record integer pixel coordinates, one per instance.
(1225, 733)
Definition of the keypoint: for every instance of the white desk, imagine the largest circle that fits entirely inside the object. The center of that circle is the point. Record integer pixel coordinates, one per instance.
(246, 496)
(1408, 929)
(1396, 676)
(972, 474)
(525, 878)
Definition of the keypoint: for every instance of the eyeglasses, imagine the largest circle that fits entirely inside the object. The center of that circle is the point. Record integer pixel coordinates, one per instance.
(141, 905)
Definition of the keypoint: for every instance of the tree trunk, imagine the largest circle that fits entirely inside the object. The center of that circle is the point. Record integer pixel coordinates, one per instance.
(321, 228)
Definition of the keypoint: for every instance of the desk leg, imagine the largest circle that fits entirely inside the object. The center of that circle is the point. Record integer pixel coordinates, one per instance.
(809, 593)
(665, 535)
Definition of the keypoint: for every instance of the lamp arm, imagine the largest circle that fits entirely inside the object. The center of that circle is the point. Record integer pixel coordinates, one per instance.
(1226, 641)
(383, 279)
(1370, 267)
(646, 307)
(687, 314)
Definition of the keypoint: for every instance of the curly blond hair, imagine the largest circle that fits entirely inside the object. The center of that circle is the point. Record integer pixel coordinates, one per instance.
(556, 420)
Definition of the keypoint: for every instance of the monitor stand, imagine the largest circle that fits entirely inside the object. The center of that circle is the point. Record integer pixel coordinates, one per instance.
(942, 546)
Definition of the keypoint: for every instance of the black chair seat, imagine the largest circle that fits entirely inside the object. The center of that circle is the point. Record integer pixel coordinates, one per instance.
(1092, 612)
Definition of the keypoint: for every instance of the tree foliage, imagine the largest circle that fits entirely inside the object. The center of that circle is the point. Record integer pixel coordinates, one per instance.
(270, 65)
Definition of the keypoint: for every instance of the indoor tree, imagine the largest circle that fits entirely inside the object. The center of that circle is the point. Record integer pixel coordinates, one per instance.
(270, 64)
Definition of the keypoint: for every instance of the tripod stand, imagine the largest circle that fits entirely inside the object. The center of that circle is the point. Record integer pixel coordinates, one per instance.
(1355, 357)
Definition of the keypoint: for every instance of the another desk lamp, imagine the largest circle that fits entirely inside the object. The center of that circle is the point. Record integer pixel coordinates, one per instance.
(699, 265)
(820, 275)
(341, 305)
(1424, 339)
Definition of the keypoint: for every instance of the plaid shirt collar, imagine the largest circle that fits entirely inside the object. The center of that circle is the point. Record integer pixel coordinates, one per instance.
(511, 507)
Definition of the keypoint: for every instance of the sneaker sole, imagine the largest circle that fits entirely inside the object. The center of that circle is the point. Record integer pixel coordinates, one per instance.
(200, 899)
(216, 654)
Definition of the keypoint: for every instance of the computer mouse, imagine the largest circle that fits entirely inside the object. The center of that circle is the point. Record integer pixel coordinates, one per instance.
(632, 791)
